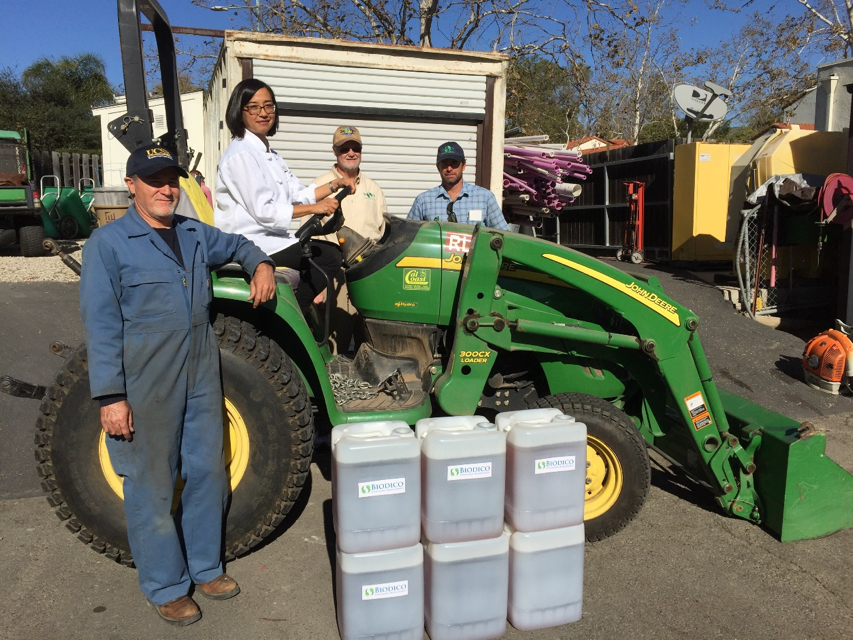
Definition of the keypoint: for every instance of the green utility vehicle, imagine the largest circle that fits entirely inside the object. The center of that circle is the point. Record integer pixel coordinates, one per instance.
(457, 320)
(20, 208)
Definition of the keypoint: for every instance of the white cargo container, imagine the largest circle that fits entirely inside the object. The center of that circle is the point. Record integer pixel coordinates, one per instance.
(115, 156)
(404, 100)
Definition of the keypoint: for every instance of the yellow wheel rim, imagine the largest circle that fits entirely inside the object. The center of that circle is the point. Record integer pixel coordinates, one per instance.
(604, 478)
(235, 445)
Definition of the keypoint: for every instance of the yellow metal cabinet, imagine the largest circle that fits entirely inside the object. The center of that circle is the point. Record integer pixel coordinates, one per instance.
(701, 200)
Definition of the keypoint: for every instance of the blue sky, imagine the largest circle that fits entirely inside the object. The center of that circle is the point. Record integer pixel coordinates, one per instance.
(55, 28)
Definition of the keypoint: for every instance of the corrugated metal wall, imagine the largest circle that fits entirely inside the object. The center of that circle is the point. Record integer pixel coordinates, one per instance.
(399, 156)
(216, 134)
(445, 93)
(410, 114)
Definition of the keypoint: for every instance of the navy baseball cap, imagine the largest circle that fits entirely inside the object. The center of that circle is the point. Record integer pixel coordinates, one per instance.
(450, 151)
(148, 160)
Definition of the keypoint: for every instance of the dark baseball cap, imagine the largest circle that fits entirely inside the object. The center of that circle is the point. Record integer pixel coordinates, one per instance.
(450, 151)
(148, 160)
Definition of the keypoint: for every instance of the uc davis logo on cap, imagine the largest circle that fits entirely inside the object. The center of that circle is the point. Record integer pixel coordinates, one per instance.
(158, 152)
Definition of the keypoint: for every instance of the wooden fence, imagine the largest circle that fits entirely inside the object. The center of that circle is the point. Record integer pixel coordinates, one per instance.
(70, 168)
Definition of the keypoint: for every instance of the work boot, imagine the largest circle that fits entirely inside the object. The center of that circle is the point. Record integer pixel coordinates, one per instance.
(179, 612)
(221, 588)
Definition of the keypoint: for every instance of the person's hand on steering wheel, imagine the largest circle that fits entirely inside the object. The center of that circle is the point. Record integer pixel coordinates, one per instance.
(340, 183)
(325, 207)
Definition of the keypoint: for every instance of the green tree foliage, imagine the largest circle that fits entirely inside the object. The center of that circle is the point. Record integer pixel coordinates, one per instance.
(763, 67)
(186, 84)
(53, 99)
(539, 98)
(604, 68)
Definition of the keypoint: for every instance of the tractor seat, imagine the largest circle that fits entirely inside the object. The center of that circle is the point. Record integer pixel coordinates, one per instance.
(286, 275)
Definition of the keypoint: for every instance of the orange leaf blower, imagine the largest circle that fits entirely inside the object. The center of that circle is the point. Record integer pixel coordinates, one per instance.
(828, 360)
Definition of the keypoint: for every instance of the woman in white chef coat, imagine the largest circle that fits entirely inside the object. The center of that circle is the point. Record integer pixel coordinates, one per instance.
(257, 196)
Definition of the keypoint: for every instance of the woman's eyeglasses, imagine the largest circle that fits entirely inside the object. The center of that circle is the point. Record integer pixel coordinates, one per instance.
(255, 109)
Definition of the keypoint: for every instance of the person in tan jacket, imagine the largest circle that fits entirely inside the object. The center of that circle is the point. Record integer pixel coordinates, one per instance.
(364, 213)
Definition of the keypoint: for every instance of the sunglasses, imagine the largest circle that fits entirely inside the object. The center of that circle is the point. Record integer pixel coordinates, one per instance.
(451, 217)
(343, 150)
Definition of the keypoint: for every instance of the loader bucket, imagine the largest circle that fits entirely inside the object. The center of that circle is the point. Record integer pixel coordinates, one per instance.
(804, 493)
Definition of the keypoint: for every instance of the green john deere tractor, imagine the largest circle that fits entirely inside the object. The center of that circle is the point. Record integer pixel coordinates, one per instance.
(460, 320)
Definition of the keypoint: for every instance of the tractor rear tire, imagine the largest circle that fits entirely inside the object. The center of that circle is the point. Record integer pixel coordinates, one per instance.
(267, 408)
(30, 238)
(618, 474)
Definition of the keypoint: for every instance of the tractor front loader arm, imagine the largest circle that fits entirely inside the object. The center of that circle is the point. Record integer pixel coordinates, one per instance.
(686, 416)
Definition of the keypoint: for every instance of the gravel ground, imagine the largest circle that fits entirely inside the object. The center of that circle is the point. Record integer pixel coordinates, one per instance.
(14, 268)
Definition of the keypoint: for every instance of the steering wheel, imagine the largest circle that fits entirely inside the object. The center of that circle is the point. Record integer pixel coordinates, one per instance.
(315, 226)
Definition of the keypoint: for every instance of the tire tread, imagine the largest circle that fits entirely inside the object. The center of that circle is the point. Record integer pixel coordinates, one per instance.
(268, 358)
(233, 335)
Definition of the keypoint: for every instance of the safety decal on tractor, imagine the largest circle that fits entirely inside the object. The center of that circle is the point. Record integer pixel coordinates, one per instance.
(417, 279)
(698, 410)
(457, 242)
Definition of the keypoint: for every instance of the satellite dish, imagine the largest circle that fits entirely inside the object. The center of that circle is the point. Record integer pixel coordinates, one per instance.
(699, 104)
(714, 87)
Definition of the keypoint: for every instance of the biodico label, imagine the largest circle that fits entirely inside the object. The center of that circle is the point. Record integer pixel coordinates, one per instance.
(381, 487)
(469, 471)
(555, 465)
(386, 590)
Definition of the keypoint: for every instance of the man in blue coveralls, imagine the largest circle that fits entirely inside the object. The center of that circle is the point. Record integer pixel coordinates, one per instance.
(154, 367)
(455, 200)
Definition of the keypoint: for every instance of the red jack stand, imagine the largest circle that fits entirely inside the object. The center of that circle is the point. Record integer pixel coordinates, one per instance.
(632, 244)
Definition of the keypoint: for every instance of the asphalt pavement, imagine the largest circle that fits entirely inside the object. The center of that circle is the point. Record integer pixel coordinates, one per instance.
(681, 570)
(32, 316)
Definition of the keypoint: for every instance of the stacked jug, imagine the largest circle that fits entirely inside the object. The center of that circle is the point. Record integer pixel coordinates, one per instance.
(545, 489)
(459, 525)
(376, 494)
(466, 552)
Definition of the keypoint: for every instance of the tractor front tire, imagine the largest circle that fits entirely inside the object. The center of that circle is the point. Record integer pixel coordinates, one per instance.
(618, 474)
(30, 238)
(268, 433)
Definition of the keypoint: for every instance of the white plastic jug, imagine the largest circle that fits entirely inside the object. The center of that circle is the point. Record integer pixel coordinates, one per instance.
(545, 577)
(376, 486)
(546, 469)
(466, 589)
(463, 476)
(380, 595)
